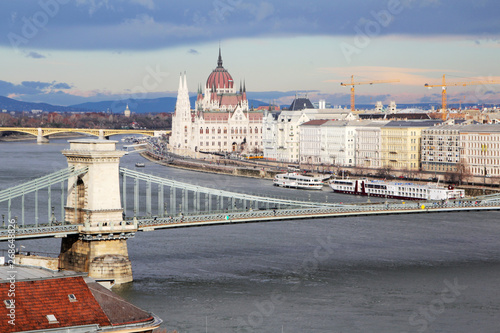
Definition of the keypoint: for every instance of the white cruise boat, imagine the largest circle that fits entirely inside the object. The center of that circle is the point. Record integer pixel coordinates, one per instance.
(296, 180)
(396, 190)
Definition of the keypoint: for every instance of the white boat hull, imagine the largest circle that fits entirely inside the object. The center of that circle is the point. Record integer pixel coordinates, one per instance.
(295, 180)
(394, 190)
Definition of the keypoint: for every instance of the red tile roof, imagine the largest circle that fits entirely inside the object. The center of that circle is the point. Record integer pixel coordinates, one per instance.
(119, 311)
(232, 100)
(253, 116)
(315, 122)
(266, 107)
(216, 116)
(34, 300)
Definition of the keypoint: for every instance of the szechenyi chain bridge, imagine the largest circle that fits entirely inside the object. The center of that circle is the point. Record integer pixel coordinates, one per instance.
(94, 206)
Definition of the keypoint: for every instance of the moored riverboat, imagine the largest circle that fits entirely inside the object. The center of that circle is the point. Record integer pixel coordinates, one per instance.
(396, 190)
(296, 180)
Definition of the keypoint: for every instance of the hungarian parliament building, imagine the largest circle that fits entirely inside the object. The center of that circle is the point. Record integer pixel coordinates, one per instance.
(220, 121)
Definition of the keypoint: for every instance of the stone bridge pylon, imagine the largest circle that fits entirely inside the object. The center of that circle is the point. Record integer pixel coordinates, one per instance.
(93, 201)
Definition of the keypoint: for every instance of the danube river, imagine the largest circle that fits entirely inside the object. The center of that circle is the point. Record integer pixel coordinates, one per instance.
(425, 273)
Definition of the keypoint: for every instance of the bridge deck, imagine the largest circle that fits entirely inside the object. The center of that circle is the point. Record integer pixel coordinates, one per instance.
(151, 224)
(308, 213)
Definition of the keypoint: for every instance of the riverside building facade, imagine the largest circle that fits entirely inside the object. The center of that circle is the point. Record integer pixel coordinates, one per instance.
(440, 148)
(400, 144)
(282, 133)
(331, 142)
(471, 149)
(480, 149)
(368, 145)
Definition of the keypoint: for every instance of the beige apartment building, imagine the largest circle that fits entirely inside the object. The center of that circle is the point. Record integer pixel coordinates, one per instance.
(400, 144)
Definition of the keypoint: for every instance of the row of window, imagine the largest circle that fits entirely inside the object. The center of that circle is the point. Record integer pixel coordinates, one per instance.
(233, 130)
(481, 170)
(449, 160)
(219, 143)
(481, 145)
(476, 152)
(483, 138)
(440, 143)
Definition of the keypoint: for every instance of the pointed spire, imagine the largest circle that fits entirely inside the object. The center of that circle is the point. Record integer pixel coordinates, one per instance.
(183, 95)
(240, 88)
(244, 86)
(185, 86)
(219, 61)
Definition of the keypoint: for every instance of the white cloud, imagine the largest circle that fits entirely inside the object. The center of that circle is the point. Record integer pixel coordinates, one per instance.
(149, 4)
(146, 26)
(262, 11)
(34, 55)
(95, 5)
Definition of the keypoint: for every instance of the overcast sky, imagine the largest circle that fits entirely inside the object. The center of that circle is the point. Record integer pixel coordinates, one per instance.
(66, 52)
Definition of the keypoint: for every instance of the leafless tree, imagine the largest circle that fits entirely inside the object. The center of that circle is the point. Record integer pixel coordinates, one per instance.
(452, 177)
(463, 172)
(384, 171)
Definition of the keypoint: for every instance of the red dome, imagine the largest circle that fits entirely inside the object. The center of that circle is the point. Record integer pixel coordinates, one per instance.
(220, 77)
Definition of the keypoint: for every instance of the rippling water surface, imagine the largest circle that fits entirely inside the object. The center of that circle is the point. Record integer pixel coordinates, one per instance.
(407, 273)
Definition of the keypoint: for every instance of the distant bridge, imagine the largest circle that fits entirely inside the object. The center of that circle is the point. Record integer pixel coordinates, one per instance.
(42, 133)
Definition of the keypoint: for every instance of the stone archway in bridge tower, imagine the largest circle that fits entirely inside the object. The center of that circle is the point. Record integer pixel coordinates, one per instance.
(81, 195)
(76, 202)
(94, 202)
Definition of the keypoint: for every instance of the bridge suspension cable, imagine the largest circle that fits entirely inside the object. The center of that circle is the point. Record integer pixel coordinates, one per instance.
(40, 183)
(495, 197)
(34, 186)
(218, 195)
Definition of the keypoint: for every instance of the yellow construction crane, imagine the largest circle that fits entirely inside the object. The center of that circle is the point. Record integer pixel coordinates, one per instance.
(444, 112)
(352, 84)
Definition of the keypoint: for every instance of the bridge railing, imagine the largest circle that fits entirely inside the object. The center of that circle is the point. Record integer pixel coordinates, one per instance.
(44, 230)
(311, 212)
(126, 229)
(109, 226)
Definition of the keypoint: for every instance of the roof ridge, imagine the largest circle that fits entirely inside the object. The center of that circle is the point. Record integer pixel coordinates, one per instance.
(114, 297)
